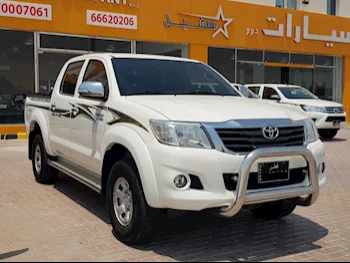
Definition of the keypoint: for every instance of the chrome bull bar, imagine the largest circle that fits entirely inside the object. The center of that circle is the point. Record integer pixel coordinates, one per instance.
(270, 195)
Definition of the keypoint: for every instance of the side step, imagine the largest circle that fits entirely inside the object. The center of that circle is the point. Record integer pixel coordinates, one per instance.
(75, 176)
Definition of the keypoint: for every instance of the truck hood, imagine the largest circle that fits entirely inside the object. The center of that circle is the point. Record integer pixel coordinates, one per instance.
(214, 108)
(319, 103)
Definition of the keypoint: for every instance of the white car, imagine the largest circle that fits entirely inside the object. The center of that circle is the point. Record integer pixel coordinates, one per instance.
(328, 116)
(151, 134)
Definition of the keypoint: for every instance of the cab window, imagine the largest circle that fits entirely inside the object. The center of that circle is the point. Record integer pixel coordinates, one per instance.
(96, 71)
(269, 92)
(70, 78)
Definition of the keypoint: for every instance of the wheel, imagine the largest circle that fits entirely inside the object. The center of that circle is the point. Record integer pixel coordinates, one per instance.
(275, 210)
(133, 221)
(327, 134)
(44, 174)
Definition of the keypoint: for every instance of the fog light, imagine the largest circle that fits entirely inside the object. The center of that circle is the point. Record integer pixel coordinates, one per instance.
(180, 181)
(323, 167)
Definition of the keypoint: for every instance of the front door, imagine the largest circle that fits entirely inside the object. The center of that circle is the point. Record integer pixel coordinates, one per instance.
(88, 125)
(61, 109)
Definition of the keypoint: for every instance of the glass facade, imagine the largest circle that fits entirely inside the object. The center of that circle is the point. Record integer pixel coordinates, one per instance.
(322, 75)
(16, 73)
(39, 58)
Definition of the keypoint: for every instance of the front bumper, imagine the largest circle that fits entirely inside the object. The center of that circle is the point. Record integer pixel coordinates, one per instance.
(210, 165)
(328, 121)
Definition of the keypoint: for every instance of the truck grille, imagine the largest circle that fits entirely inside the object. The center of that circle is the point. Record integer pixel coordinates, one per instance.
(335, 110)
(248, 139)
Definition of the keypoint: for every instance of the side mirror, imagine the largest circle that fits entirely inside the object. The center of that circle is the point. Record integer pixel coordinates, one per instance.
(92, 89)
(275, 97)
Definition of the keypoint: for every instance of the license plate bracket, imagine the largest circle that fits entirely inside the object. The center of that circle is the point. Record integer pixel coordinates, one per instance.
(273, 172)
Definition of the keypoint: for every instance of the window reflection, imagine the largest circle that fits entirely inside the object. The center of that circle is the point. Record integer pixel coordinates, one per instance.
(16, 73)
(324, 82)
(250, 73)
(223, 60)
(164, 49)
(302, 77)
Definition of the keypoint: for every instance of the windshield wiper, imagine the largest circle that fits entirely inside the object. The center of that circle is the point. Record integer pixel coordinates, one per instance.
(147, 93)
(201, 93)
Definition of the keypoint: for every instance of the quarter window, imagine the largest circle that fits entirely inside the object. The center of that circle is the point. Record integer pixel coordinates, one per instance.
(70, 79)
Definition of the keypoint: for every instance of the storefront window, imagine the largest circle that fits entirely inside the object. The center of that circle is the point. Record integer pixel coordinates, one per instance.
(250, 73)
(102, 45)
(84, 44)
(276, 57)
(65, 42)
(324, 83)
(302, 77)
(50, 65)
(301, 59)
(16, 73)
(223, 61)
(327, 61)
(173, 50)
(250, 55)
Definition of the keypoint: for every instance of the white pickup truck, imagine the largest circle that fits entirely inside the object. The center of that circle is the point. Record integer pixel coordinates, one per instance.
(328, 116)
(139, 130)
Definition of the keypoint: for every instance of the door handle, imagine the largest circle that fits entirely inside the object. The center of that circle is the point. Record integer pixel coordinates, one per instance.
(53, 108)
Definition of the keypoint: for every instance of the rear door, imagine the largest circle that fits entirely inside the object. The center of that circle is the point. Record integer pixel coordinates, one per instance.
(61, 108)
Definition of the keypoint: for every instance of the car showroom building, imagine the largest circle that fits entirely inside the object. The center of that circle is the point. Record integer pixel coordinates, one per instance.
(246, 43)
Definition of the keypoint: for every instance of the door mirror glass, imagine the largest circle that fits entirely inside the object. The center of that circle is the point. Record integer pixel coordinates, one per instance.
(275, 97)
(92, 89)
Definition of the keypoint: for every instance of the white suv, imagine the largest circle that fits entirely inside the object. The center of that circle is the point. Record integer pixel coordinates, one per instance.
(329, 116)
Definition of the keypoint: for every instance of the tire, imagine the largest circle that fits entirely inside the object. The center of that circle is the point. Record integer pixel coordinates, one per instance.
(327, 134)
(143, 219)
(276, 210)
(44, 174)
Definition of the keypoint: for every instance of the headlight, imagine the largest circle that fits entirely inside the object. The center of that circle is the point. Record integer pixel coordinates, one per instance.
(311, 132)
(314, 108)
(189, 135)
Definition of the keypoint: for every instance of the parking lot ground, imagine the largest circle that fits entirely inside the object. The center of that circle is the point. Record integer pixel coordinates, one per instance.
(68, 222)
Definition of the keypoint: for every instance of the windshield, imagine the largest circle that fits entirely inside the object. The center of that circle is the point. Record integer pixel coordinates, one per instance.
(167, 77)
(297, 93)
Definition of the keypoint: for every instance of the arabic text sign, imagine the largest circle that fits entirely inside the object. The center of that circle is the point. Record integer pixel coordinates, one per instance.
(25, 10)
(106, 19)
(302, 32)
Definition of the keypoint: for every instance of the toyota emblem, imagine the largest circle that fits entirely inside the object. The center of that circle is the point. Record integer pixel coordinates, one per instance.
(270, 132)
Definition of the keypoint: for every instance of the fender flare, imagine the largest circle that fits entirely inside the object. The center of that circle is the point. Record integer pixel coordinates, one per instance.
(38, 117)
(132, 141)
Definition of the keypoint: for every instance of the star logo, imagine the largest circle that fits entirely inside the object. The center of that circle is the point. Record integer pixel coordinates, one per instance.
(219, 17)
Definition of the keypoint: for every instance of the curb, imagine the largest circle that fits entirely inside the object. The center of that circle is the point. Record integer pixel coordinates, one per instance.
(18, 136)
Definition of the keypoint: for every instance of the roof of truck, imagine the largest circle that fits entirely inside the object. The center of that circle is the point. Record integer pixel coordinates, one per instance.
(133, 56)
